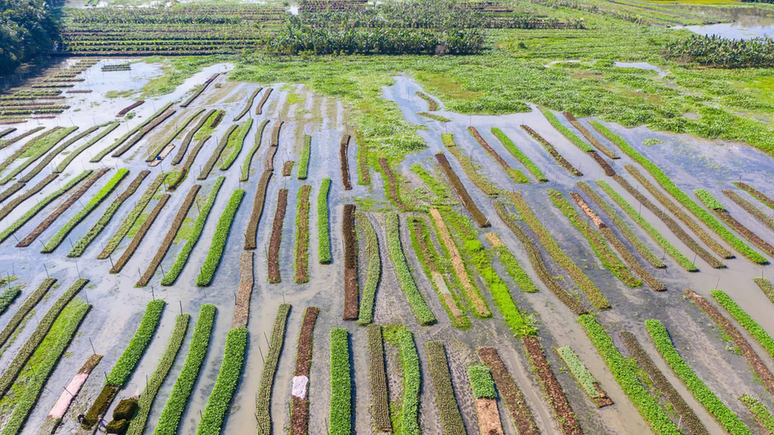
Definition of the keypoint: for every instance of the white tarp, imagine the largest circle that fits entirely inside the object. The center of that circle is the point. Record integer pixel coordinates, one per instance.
(299, 386)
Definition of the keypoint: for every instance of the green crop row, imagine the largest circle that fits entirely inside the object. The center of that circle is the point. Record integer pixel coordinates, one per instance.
(663, 342)
(194, 235)
(23, 311)
(36, 151)
(76, 152)
(710, 201)
(131, 356)
(12, 370)
(341, 384)
(303, 163)
(132, 217)
(451, 419)
(220, 238)
(578, 370)
(514, 270)
(749, 207)
(583, 281)
(413, 296)
(236, 141)
(181, 392)
(7, 297)
(84, 211)
(653, 232)
(245, 173)
(373, 270)
(263, 398)
(481, 382)
(442, 195)
(438, 118)
(52, 348)
(760, 412)
(34, 209)
(45, 161)
(323, 223)
(681, 197)
(84, 242)
(598, 244)
(745, 320)
(626, 377)
(148, 396)
(766, 287)
(219, 403)
(578, 142)
(100, 155)
(168, 140)
(472, 170)
(518, 155)
(635, 241)
(760, 196)
(412, 382)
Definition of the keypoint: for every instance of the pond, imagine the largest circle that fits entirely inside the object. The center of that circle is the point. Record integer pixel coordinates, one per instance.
(748, 22)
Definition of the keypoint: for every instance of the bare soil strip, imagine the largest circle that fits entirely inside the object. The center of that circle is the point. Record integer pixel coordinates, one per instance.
(170, 237)
(276, 237)
(299, 413)
(351, 290)
(139, 235)
(49, 220)
(590, 137)
(506, 386)
(259, 107)
(246, 280)
(343, 148)
(553, 152)
(251, 233)
(392, 183)
(662, 384)
(462, 194)
(556, 398)
(488, 417)
(760, 369)
(287, 168)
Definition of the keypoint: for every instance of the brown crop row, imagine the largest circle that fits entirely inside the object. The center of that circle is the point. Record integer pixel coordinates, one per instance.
(275, 134)
(551, 150)
(23, 149)
(51, 217)
(745, 232)
(216, 153)
(255, 216)
(246, 281)
(268, 159)
(7, 131)
(515, 175)
(259, 107)
(752, 191)
(140, 134)
(662, 384)
(432, 104)
(556, 397)
(509, 390)
(188, 163)
(299, 413)
(139, 235)
(248, 105)
(15, 187)
(129, 108)
(760, 369)
(380, 408)
(276, 237)
(170, 236)
(590, 137)
(287, 168)
(302, 235)
(8, 142)
(218, 117)
(451, 419)
(392, 183)
(8, 208)
(671, 224)
(609, 171)
(351, 291)
(189, 136)
(100, 406)
(462, 194)
(199, 91)
(343, 148)
(537, 262)
(680, 214)
(750, 208)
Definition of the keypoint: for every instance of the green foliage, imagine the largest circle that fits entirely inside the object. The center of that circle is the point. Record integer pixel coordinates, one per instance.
(663, 342)
(603, 251)
(766, 287)
(173, 411)
(303, 163)
(235, 143)
(219, 402)
(34, 209)
(481, 382)
(412, 382)
(440, 190)
(263, 398)
(131, 356)
(710, 201)
(719, 52)
(471, 169)
(100, 155)
(341, 384)
(578, 370)
(168, 140)
(323, 224)
(148, 396)
(661, 240)
(84, 211)
(760, 412)
(219, 240)
(518, 155)
(572, 137)
(7, 297)
(193, 237)
(413, 296)
(515, 271)
(245, 173)
(451, 419)
(681, 197)
(35, 151)
(24, 310)
(28, 30)
(373, 270)
(50, 351)
(627, 378)
(745, 320)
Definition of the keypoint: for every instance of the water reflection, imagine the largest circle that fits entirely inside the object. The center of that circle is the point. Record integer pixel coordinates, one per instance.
(748, 21)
